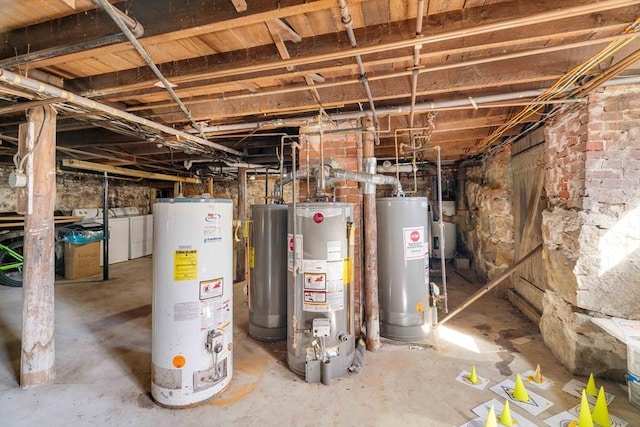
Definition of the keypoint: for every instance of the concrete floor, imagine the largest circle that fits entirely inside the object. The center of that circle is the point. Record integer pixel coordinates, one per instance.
(103, 353)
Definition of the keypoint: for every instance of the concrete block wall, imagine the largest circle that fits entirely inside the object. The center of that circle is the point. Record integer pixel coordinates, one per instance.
(342, 149)
(591, 229)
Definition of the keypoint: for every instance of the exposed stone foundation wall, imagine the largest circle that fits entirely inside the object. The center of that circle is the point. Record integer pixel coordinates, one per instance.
(82, 190)
(591, 229)
(487, 232)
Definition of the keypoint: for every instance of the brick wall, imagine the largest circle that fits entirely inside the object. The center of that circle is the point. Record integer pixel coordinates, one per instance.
(591, 229)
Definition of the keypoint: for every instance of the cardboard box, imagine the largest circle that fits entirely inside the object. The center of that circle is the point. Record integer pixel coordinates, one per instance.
(81, 260)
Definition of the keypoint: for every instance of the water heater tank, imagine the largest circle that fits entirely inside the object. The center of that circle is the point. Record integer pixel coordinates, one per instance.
(403, 268)
(192, 310)
(268, 273)
(320, 331)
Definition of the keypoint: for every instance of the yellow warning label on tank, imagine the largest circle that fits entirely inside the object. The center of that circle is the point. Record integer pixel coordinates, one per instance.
(179, 361)
(419, 307)
(252, 257)
(346, 271)
(185, 264)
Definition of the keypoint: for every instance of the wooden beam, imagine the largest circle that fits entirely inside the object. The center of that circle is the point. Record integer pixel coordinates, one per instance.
(240, 5)
(37, 363)
(96, 167)
(198, 18)
(375, 40)
(492, 284)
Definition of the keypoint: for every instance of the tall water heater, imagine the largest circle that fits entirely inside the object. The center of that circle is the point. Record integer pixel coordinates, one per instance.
(406, 312)
(192, 311)
(320, 331)
(268, 273)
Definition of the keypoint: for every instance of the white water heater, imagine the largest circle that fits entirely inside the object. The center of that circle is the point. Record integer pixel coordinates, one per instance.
(192, 310)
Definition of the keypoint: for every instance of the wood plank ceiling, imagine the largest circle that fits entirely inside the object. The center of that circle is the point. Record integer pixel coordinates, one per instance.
(249, 71)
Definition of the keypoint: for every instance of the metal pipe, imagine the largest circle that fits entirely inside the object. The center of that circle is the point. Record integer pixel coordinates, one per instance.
(416, 63)
(375, 179)
(347, 21)
(441, 229)
(290, 177)
(118, 19)
(105, 228)
(36, 86)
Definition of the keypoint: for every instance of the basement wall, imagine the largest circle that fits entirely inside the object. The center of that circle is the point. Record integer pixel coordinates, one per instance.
(486, 228)
(591, 229)
(82, 190)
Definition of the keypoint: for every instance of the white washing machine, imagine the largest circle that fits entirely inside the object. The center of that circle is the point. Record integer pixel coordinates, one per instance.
(140, 236)
(140, 231)
(118, 233)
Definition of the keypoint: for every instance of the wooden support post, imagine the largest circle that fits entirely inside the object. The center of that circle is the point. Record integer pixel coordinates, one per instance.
(371, 307)
(492, 284)
(210, 186)
(242, 217)
(37, 364)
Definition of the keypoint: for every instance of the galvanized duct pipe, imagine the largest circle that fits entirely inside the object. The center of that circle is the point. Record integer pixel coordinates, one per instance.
(117, 18)
(375, 179)
(287, 178)
(347, 21)
(35, 86)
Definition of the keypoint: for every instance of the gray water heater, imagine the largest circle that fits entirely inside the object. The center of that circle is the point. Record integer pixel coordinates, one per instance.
(406, 313)
(268, 273)
(320, 337)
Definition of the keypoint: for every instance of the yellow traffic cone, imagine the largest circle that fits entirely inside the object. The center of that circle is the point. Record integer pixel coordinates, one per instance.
(473, 378)
(600, 413)
(584, 419)
(591, 386)
(537, 376)
(505, 417)
(491, 418)
(519, 392)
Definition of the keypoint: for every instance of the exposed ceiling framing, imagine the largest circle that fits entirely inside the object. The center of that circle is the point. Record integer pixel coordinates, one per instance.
(247, 72)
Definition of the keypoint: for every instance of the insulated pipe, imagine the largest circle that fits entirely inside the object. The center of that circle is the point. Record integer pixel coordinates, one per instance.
(36, 86)
(117, 17)
(347, 21)
(371, 304)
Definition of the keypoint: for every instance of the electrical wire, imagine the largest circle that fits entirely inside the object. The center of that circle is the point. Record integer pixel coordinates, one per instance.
(564, 87)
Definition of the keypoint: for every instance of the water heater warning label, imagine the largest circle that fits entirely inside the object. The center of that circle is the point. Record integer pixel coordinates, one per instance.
(185, 264)
(413, 239)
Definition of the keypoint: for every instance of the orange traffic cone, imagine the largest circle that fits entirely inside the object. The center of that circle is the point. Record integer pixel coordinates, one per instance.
(537, 376)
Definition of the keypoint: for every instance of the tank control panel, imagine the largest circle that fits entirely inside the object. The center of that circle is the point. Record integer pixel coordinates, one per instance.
(321, 327)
